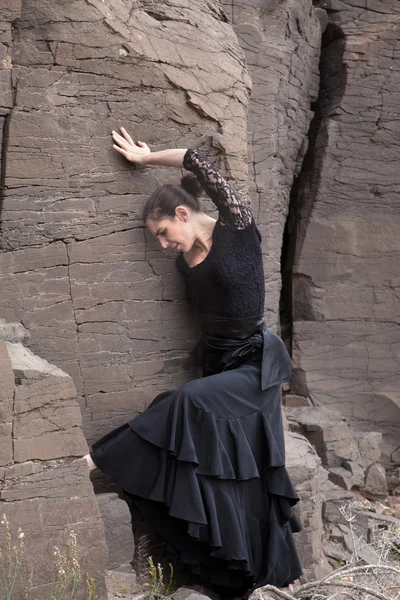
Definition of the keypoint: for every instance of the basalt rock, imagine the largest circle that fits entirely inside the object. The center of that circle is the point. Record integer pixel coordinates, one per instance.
(347, 455)
(45, 487)
(281, 42)
(345, 222)
(305, 470)
(99, 298)
(78, 270)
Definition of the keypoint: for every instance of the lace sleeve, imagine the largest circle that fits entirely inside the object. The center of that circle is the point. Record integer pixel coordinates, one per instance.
(231, 209)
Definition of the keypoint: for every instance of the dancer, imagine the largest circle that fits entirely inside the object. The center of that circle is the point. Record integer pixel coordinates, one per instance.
(204, 465)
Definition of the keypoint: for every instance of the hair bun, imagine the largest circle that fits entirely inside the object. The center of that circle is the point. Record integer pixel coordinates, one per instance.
(191, 184)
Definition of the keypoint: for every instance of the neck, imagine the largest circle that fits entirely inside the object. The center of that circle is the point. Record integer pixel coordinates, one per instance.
(204, 232)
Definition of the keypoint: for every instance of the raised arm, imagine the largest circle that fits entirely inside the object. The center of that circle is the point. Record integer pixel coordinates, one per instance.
(231, 209)
(140, 153)
(229, 205)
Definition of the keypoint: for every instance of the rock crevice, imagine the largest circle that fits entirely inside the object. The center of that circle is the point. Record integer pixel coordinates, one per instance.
(301, 295)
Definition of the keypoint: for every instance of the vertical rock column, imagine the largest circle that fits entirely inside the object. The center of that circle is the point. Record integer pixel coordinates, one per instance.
(10, 10)
(304, 467)
(346, 268)
(281, 41)
(98, 296)
(44, 488)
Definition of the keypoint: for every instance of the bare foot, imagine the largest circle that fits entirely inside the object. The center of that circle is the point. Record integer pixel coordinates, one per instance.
(90, 463)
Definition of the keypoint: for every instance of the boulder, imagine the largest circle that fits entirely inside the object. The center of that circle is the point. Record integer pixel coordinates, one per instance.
(375, 482)
(333, 499)
(189, 593)
(116, 518)
(329, 432)
(47, 418)
(304, 468)
(122, 583)
(46, 494)
(346, 454)
(345, 227)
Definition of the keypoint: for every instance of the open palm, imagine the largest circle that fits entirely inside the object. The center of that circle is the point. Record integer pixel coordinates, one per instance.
(124, 144)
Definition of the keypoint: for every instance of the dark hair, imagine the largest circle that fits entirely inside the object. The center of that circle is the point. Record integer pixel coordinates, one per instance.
(163, 202)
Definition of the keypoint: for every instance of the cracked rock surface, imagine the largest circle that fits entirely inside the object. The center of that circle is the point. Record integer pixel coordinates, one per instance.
(77, 269)
(346, 310)
(242, 80)
(98, 297)
(45, 488)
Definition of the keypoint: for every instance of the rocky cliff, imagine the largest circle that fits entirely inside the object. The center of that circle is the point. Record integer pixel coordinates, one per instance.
(77, 268)
(45, 490)
(295, 100)
(345, 223)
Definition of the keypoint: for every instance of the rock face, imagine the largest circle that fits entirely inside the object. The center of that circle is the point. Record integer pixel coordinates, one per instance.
(345, 225)
(77, 269)
(350, 457)
(281, 41)
(45, 486)
(304, 467)
(100, 299)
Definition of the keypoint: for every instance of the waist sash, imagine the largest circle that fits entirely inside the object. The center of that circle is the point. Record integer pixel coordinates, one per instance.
(237, 341)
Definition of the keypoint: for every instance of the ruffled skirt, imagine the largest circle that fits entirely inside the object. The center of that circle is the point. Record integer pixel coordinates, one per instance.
(204, 466)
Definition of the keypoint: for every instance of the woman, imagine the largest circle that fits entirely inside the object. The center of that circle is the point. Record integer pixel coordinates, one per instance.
(204, 464)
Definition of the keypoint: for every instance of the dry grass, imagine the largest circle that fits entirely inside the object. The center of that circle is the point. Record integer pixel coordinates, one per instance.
(354, 580)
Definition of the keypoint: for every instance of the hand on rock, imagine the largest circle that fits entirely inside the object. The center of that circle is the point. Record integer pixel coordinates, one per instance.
(127, 147)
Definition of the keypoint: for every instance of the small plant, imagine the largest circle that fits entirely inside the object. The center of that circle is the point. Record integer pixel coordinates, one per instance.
(90, 588)
(67, 571)
(10, 558)
(159, 588)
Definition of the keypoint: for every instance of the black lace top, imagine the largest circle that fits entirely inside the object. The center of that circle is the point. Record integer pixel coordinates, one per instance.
(229, 282)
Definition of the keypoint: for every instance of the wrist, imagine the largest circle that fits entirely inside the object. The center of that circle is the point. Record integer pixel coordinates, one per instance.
(144, 160)
(153, 159)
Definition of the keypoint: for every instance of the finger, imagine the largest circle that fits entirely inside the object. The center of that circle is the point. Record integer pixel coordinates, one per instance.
(143, 145)
(120, 140)
(118, 137)
(127, 136)
(120, 150)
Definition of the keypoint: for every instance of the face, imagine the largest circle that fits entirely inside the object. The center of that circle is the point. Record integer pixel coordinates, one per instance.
(174, 232)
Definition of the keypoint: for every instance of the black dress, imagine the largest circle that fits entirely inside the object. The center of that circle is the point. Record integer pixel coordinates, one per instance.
(204, 465)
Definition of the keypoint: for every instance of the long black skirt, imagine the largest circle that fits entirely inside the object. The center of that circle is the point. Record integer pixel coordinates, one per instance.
(204, 466)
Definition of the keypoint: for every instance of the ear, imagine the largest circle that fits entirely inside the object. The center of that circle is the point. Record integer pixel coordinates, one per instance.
(181, 213)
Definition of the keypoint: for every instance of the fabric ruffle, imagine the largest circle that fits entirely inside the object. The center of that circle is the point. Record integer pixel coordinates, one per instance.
(208, 475)
(225, 447)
